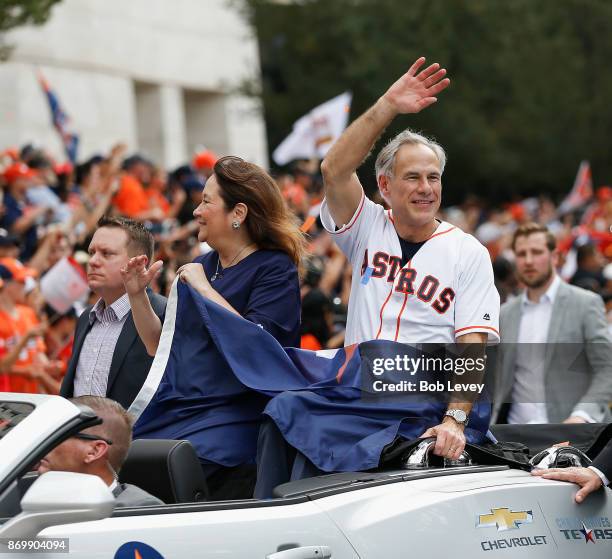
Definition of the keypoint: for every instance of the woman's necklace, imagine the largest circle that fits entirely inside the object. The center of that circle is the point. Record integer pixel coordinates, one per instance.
(219, 273)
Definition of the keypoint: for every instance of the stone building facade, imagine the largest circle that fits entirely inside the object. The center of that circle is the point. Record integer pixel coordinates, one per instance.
(161, 75)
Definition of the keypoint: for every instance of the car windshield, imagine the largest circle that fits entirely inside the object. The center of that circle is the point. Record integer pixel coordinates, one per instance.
(11, 413)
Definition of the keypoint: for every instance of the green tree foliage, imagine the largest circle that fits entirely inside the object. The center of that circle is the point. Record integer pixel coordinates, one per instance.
(529, 88)
(16, 13)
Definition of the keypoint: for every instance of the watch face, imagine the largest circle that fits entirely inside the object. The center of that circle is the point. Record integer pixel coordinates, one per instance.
(458, 415)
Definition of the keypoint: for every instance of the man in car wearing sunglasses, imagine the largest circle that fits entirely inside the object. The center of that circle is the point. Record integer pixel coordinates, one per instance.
(100, 451)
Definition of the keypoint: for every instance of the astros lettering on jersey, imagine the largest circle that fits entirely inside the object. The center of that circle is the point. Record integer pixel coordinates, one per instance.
(445, 291)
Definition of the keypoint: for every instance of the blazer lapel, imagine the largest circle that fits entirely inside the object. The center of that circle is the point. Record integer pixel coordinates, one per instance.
(511, 324)
(557, 319)
(124, 342)
(557, 315)
(509, 338)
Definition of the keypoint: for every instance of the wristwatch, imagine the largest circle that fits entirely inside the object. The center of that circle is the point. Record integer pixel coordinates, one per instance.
(459, 416)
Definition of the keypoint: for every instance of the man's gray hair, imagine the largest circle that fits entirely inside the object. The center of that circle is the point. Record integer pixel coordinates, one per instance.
(386, 158)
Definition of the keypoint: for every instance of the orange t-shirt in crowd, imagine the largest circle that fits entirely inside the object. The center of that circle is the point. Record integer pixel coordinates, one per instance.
(308, 341)
(131, 198)
(157, 200)
(12, 328)
(64, 355)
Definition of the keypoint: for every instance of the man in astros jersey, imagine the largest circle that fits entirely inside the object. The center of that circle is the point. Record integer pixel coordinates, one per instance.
(416, 279)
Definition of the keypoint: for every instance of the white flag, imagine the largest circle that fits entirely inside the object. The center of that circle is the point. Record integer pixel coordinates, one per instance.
(315, 133)
(64, 284)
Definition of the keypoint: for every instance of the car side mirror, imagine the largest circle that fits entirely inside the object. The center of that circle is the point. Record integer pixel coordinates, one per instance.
(60, 498)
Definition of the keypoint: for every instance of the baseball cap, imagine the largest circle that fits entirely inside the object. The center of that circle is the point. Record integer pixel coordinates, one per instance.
(204, 160)
(517, 211)
(192, 182)
(604, 193)
(8, 239)
(63, 168)
(18, 171)
(18, 271)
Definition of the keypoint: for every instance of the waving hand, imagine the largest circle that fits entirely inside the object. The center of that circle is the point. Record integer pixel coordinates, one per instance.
(416, 90)
(136, 277)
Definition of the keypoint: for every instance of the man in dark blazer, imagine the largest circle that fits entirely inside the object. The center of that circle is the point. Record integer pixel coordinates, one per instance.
(598, 474)
(108, 357)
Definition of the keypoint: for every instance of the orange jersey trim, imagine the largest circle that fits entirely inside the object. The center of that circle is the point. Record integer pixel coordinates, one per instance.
(399, 316)
(381, 312)
(442, 233)
(480, 327)
(355, 218)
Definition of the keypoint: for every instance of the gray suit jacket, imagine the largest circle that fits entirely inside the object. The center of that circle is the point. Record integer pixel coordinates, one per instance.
(578, 356)
(127, 495)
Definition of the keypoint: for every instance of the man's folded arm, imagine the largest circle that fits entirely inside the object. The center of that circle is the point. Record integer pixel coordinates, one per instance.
(598, 347)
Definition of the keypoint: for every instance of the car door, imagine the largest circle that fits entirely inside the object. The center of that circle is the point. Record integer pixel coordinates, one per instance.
(241, 529)
(33, 424)
(487, 511)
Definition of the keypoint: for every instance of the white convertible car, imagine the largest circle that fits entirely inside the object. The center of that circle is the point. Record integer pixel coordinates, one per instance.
(434, 513)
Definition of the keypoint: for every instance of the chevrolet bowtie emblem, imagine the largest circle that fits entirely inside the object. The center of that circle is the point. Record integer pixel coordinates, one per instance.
(504, 519)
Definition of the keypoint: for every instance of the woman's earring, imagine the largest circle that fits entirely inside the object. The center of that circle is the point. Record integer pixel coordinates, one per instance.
(235, 224)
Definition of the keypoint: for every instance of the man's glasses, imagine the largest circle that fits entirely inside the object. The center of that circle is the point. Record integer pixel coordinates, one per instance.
(86, 437)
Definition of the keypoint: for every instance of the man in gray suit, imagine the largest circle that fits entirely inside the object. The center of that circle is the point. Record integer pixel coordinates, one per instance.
(100, 451)
(556, 355)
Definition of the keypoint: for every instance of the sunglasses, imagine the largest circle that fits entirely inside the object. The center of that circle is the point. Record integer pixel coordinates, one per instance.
(86, 437)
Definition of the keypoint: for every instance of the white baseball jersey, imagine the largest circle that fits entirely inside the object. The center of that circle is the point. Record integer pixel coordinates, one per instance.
(445, 291)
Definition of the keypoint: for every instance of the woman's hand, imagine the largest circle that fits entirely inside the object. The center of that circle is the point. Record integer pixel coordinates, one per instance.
(194, 275)
(136, 277)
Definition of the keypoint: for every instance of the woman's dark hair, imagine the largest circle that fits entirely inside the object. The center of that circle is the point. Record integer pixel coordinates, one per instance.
(269, 222)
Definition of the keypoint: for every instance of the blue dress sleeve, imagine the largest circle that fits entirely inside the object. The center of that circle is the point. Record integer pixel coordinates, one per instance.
(274, 301)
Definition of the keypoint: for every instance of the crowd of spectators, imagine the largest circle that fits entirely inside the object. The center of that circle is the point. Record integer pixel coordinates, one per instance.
(49, 211)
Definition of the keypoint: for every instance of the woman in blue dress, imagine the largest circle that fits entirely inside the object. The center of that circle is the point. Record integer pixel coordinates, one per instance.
(252, 271)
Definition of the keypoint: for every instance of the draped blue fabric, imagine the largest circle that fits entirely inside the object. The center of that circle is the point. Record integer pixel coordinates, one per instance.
(223, 372)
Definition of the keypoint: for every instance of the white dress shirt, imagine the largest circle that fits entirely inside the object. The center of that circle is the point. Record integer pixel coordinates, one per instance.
(528, 391)
(601, 475)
